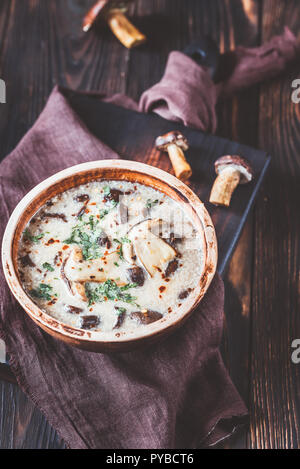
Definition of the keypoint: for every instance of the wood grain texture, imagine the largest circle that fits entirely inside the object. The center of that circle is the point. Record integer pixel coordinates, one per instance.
(275, 380)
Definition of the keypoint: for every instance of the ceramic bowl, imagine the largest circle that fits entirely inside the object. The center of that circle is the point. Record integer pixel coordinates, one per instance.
(132, 171)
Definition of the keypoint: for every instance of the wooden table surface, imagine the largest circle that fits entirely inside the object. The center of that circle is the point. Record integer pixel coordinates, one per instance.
(41, 44)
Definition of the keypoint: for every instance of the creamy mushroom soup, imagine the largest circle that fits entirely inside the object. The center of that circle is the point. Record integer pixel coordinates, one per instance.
(110, 255)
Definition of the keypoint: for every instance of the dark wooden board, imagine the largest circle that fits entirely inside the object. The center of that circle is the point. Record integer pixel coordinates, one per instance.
(275, 385)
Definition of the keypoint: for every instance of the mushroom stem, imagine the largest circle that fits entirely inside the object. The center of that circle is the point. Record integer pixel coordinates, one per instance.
(181, 167)
(224, 187)
(125, 31)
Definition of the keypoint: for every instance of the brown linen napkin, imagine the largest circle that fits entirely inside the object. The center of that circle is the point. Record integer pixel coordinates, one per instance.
(196, 94)
(175, 394)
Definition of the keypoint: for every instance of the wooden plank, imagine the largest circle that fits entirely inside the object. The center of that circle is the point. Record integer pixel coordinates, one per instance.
(275, 408)
(41, 44)
(22, 425)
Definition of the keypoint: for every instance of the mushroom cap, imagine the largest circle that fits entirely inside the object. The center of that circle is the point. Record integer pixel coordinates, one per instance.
(238, 163)
(174, 137)
(101, 8)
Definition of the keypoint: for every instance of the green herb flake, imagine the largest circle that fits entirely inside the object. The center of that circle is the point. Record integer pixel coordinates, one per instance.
(125, 240)
(87, 241)
(106, 190)
(151, 204)
(92, 222)
(120, 248)
(109, 291)
(103, 213)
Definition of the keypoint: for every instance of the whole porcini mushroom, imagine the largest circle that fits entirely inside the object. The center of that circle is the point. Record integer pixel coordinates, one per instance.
(175, 143)
(232, 170)
(113, 13)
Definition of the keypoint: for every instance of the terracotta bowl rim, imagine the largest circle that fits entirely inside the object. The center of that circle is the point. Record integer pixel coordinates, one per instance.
(80, 336)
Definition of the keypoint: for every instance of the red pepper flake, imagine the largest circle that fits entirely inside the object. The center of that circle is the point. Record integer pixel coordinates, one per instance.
(170, 310)
(65, 247)
(51, 241)
(94, 203)
(162, 289)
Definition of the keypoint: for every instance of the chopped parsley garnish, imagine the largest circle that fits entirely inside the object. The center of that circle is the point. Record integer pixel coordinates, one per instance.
(151, 203)
(42, 292)
(48, 267)
(109, 291)
(33, 239)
